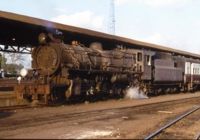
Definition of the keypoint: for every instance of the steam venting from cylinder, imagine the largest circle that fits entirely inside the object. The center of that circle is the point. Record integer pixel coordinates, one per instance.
(135, 93)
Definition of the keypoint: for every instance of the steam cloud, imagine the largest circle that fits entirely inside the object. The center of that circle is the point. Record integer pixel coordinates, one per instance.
(135, 93)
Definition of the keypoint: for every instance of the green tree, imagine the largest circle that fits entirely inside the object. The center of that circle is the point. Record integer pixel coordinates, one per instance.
(13, 68)
(2, 61)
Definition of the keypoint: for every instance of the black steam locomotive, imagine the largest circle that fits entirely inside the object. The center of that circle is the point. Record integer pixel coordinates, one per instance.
(75, 69)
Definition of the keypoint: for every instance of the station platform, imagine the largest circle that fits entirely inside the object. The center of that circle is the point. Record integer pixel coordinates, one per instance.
(7, 95)
(7, 98)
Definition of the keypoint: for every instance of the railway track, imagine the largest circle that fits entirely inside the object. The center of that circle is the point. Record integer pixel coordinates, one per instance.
(18, 107)
(173, 122)
(9, 108)
(86, 115)
(39, 117)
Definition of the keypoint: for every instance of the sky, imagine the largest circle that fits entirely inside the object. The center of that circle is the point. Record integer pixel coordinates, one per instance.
(172, 23)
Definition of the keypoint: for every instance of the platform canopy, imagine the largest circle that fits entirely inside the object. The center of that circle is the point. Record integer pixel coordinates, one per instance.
(19, 33)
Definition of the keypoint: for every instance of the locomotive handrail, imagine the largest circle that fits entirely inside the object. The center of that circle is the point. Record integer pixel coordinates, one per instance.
(100, 54)
(100, 71)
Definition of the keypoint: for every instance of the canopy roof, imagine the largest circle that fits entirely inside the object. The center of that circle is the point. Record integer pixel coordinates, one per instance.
(22, 31)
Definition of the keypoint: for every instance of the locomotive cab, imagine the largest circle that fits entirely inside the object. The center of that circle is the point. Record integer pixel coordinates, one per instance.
(147, 65)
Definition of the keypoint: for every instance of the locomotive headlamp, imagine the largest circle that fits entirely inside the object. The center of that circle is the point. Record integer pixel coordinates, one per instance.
(23, 72)
(42, 38)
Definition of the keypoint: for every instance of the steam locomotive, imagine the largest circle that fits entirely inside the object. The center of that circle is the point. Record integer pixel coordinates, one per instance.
(65, 70)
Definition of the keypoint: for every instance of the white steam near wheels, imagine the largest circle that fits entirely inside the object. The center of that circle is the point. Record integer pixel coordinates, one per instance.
(135, 93)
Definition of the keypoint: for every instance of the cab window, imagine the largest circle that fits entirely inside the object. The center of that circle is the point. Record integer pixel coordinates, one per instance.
(148, 60)
(139, 57)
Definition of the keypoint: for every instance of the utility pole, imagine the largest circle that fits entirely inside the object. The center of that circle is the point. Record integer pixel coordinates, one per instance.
(112, 17)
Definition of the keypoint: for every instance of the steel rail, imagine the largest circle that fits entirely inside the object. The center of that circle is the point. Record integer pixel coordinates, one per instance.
(152, 135)
(198, 137)
(17, 107)
(9, 108)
